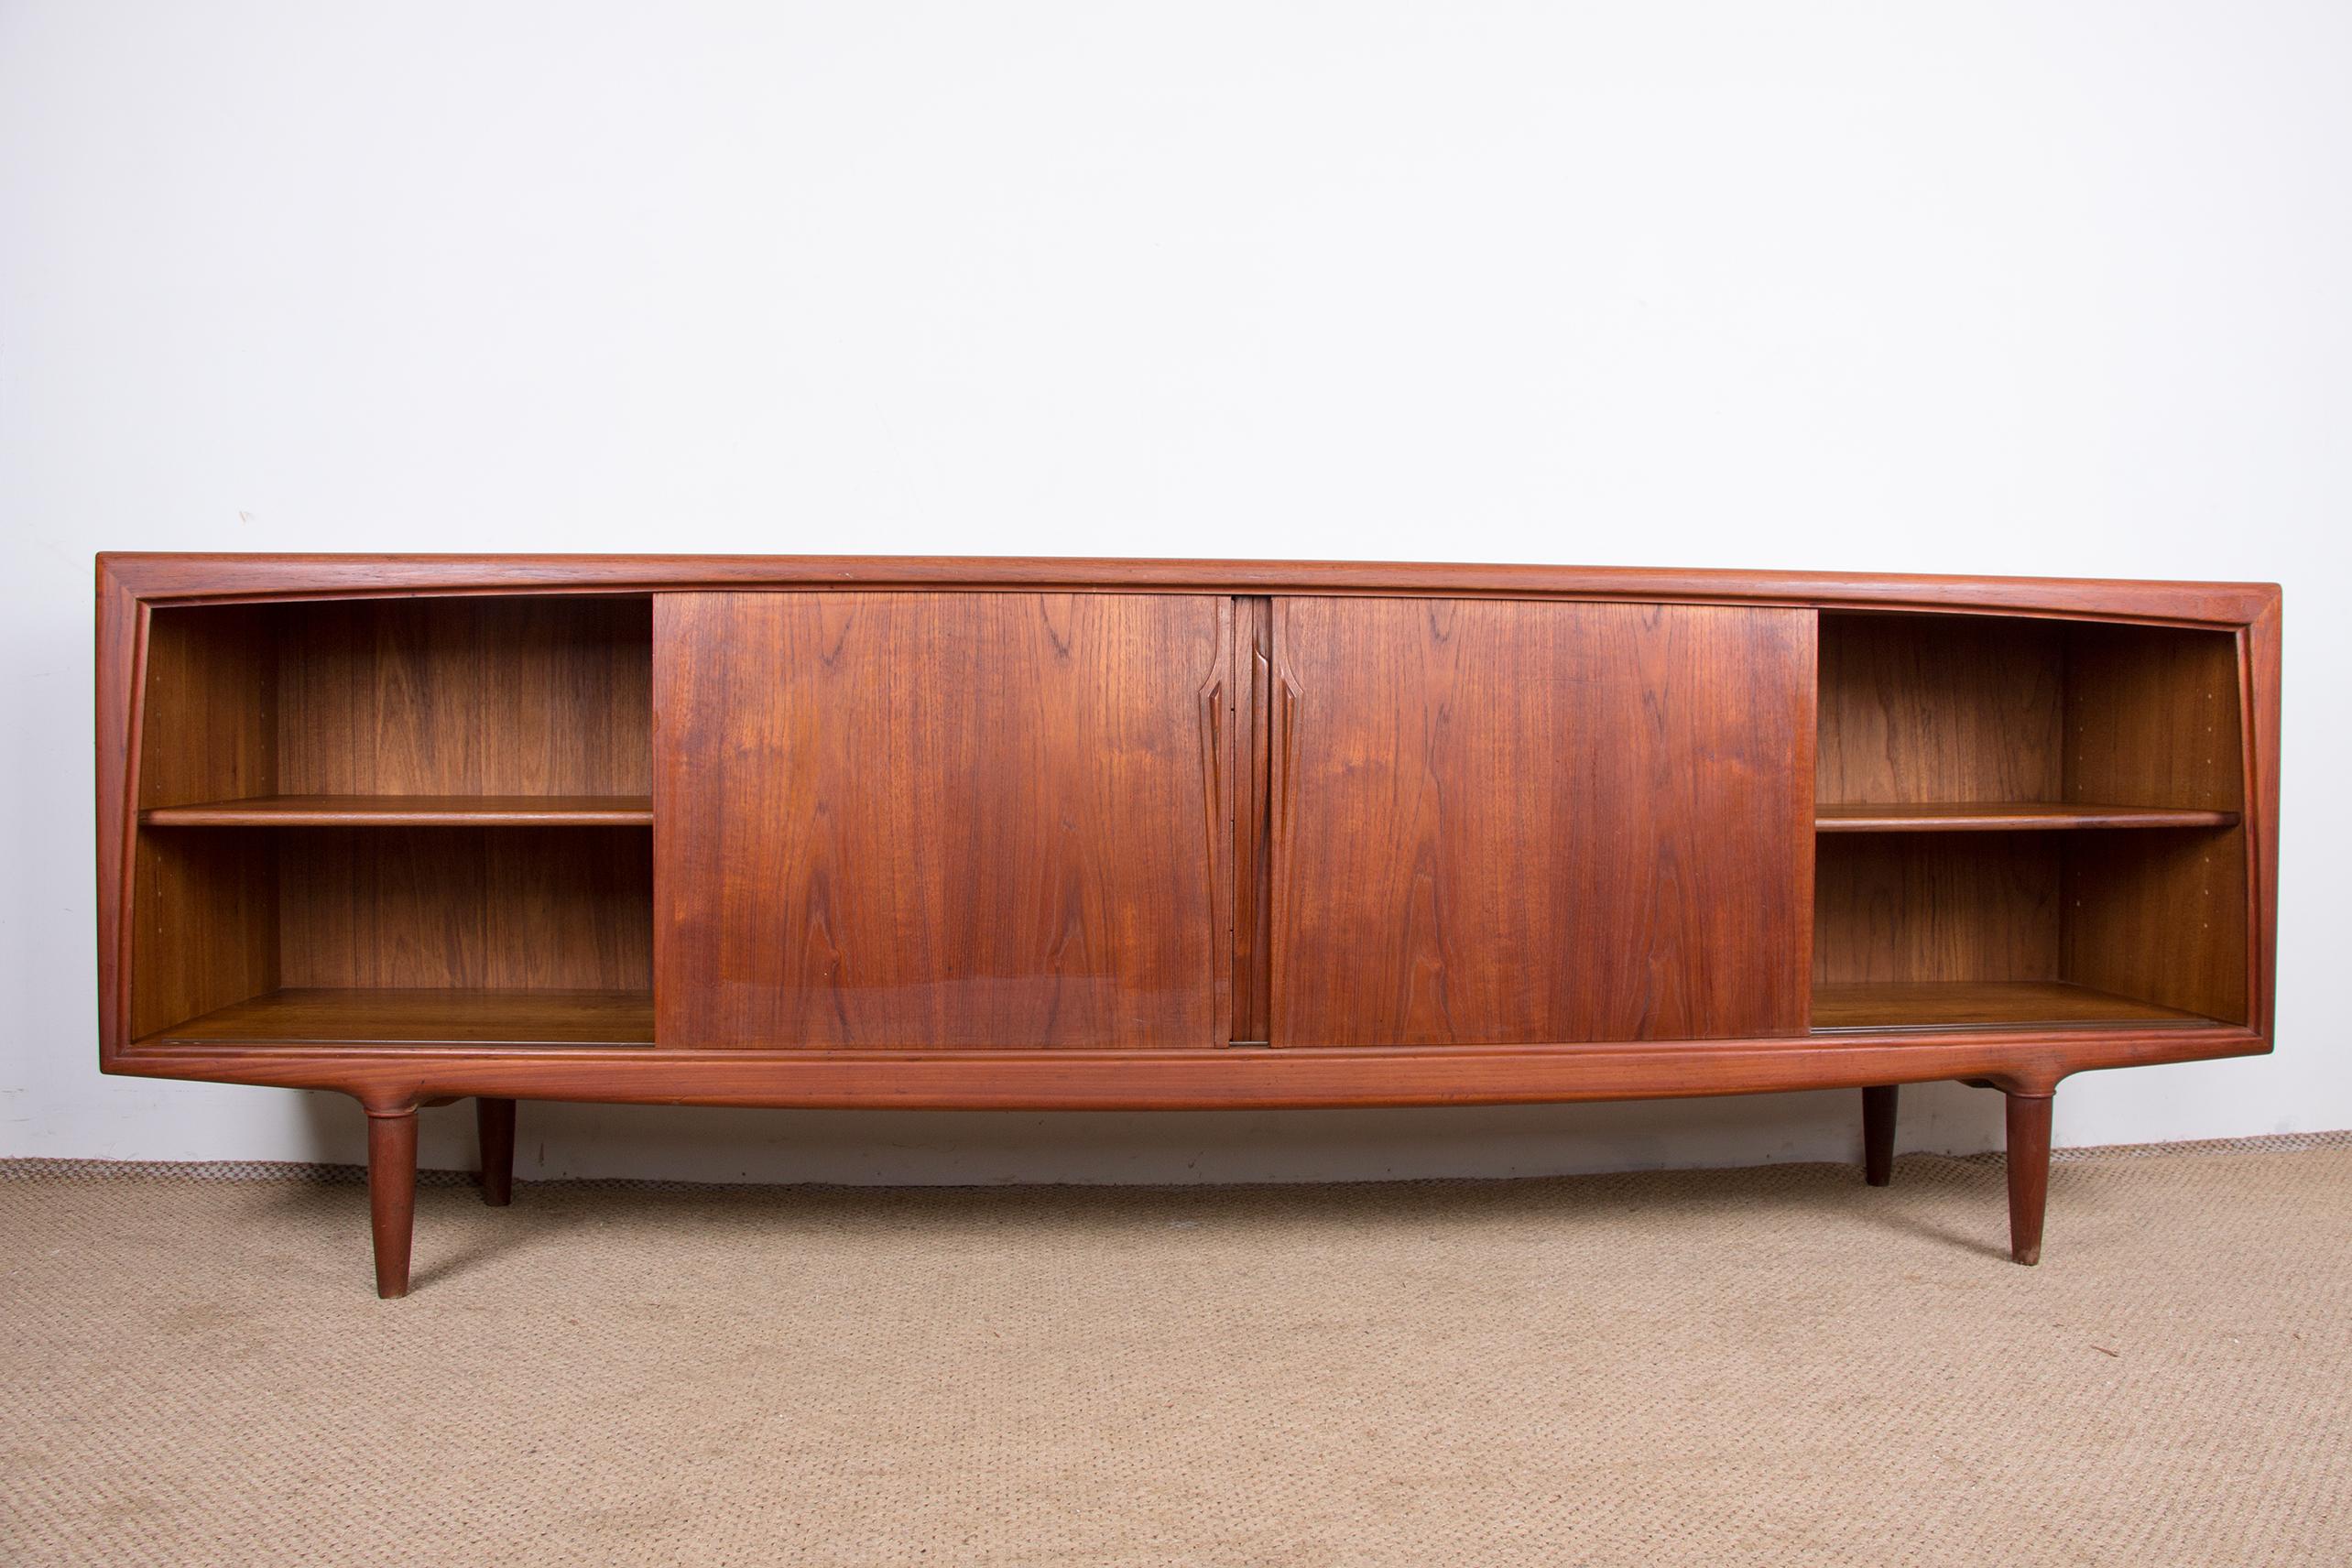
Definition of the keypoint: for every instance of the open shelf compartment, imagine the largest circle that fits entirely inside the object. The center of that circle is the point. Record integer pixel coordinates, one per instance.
(396, 820)
(326, 935)
(1971, 772)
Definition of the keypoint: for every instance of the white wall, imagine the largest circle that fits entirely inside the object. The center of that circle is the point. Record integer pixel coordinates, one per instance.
(2003, 287)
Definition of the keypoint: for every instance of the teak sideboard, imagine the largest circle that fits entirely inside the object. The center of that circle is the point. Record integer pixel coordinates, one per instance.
(1129, 835)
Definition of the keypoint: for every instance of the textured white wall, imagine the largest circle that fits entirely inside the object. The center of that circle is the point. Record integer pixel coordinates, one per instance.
(2008, 288)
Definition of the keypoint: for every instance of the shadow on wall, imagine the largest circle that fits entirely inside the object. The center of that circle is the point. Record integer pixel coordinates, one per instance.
(986, 1148)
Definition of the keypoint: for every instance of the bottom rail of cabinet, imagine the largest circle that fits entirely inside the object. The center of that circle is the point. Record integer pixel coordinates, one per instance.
(393, 1076)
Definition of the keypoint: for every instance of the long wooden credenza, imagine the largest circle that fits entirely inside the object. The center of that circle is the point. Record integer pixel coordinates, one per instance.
(1106, 834)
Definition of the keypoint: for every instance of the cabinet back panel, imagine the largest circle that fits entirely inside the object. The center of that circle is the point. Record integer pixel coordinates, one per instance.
(2160, 917)
(1508, 823)
(506, 908)
(466, 696)
(1938, 907)
(1918, 708)
(2152, 718)
(944, 820)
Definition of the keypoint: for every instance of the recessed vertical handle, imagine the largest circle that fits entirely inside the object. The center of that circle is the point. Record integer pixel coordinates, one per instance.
(1281, 790)
(1213, 763)
(1284, 784)
(1216, 824)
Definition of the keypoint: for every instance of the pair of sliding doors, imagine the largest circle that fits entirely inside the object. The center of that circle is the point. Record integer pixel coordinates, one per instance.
(1146, 820)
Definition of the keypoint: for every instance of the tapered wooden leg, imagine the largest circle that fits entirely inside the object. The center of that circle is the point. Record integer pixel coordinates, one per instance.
(2029, 1173)
(495, 1120)
(392, 1195)
(1878, 1133)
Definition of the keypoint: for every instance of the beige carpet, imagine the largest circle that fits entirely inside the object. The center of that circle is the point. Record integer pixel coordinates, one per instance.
(1774, 1366)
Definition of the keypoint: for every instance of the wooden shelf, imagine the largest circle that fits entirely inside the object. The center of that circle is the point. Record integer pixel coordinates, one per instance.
(423, 1018)
(2007, 816)
(408, 811)
(1936, 1004)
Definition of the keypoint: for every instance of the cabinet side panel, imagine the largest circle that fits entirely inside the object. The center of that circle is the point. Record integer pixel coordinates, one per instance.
(2260, 690)
(946, 820)
(2152, 719)
(206, 904)
(204, 922)
(120, 636)
(2160, 917)
(210, 717)
(1509, 823)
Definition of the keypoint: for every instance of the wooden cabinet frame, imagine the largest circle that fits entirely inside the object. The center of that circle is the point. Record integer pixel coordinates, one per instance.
(391, 1080)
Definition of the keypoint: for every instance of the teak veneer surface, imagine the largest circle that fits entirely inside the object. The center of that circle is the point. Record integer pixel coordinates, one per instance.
(970, 819)
(1499, 822)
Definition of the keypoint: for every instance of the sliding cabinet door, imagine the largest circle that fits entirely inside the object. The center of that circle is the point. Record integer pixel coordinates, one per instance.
(903, 820)
(1505, 823)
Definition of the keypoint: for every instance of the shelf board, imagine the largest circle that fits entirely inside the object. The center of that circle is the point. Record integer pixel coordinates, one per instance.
(408, 811)
(2007, 816)
(423, 1018)
(1983, 1004)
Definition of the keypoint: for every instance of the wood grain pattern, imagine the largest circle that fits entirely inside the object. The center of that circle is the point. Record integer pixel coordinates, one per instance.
(1977, 1004)
(944, 820)
(527, 909)
(1941, 708)
(408, 811)
(1950, 816)
(529, 696)
(412, 1016)
(1511, 822)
